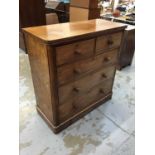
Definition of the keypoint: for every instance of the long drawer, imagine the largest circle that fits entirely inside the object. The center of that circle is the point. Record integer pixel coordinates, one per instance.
(107, 42)
(76, 51)
(77, 103)
(84, 85)
(73, 71)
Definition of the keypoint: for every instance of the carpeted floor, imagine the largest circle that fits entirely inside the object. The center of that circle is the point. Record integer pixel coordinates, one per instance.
(108, 130)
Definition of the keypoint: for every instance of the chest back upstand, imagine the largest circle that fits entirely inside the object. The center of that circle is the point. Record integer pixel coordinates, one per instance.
(73, 67)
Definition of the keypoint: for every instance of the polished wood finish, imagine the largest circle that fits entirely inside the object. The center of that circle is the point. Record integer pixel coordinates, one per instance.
(68, 84)
(108, 42)
(71, 120)
(75, 51)
(77, 103)
(58, 33)
(38, 57)
(85, 84)
(128, 48)
(68, 72)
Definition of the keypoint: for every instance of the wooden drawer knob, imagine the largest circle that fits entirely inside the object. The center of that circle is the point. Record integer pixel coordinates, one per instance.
(101, 91)
(107, 59)
(77, 52)
(104, 75)
(75, 89)
(110, 42)
(77, 71)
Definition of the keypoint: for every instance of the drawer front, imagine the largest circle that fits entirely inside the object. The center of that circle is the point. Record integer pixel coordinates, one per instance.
(77, 103)
(76, 51)
(84, 85)
(108, 41)
(78, 69)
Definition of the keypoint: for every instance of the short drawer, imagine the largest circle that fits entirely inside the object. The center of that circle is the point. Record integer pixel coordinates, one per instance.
(76, 70)
(85, 84)
(76, 51)
(108, 42)
(77, 103)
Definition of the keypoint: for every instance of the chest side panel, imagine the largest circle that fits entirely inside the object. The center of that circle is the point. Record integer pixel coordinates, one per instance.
(40, 75)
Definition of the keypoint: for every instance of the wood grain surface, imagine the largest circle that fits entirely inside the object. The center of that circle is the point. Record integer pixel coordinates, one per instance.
(53, 33)
(73, 68)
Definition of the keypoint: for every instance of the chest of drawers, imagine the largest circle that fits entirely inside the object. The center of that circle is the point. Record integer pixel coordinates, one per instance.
(73, 67)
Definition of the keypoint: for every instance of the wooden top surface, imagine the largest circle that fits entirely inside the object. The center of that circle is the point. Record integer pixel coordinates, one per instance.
(50, 33)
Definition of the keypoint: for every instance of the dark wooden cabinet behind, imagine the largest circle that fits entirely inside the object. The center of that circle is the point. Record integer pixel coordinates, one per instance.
(31, 13)
(128, 48)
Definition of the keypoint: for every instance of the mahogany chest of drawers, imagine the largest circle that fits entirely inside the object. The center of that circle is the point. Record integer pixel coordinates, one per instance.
(73, 67)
